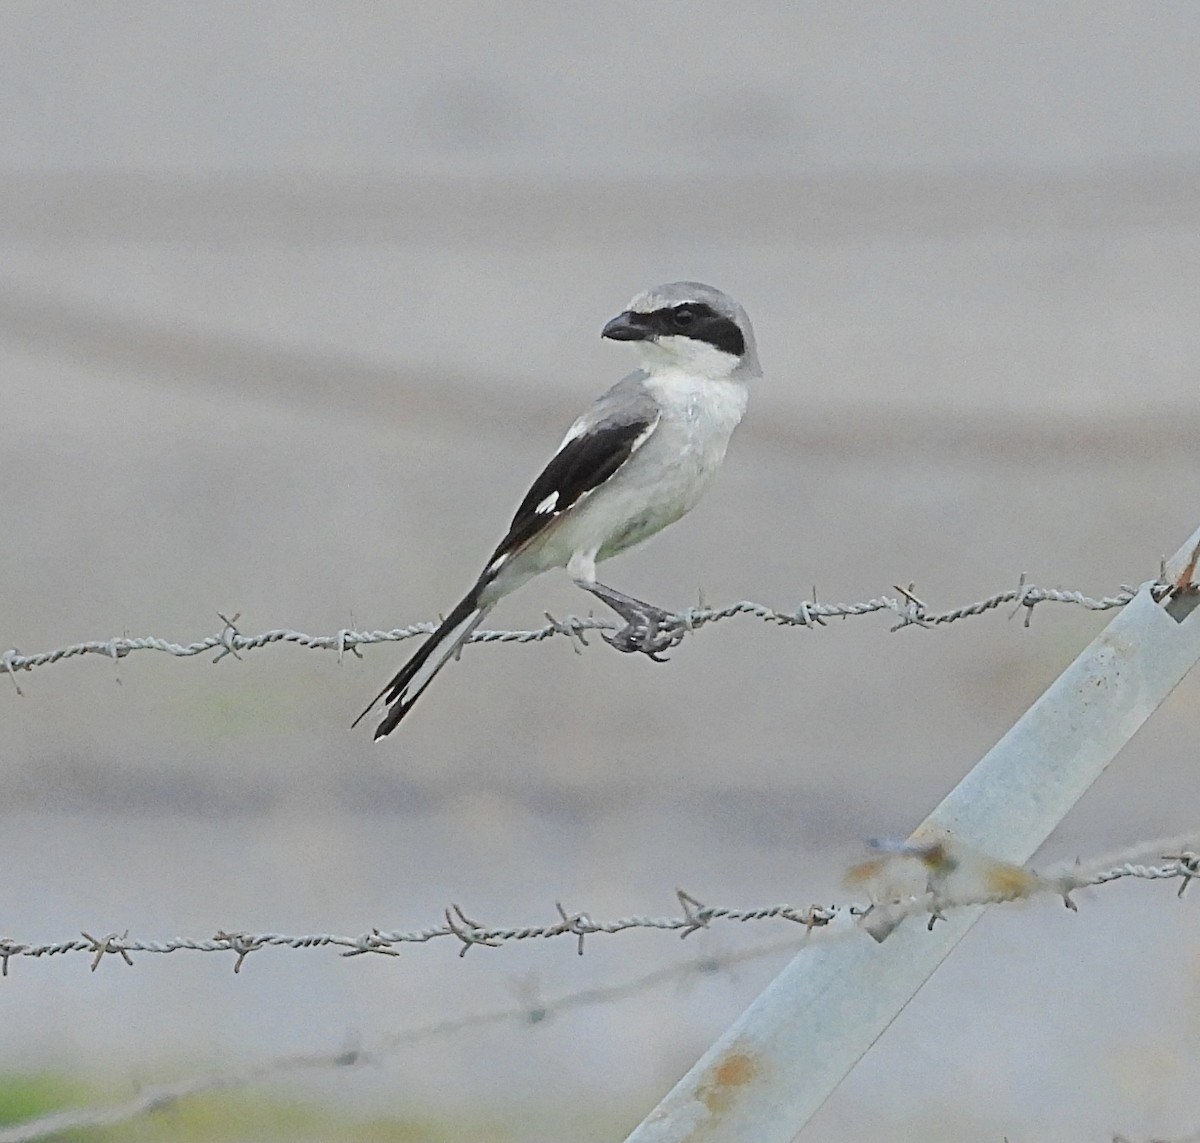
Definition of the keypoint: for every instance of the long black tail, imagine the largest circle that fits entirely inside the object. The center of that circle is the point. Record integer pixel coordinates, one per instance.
(404, 690)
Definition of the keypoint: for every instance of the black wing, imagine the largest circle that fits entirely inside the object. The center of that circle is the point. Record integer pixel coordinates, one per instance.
(584, 462)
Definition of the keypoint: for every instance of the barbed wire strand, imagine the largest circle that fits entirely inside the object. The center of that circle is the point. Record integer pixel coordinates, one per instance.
(908, 609)
(1179, 862)
(532, 1010)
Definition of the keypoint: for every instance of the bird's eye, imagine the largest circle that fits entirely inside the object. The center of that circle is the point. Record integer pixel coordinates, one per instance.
(683, 316)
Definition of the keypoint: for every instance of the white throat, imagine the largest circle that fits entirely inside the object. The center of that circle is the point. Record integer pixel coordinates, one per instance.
(697, 358)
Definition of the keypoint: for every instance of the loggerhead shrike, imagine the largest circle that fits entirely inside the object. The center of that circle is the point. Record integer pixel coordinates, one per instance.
(637, 460)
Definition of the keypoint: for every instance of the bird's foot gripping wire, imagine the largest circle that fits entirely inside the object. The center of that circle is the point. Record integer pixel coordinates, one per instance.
(648, 629)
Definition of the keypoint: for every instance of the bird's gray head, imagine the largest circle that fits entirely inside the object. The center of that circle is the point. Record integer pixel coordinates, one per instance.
(688, 325)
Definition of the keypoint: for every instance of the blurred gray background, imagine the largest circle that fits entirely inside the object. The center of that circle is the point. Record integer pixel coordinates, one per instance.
(294, 301)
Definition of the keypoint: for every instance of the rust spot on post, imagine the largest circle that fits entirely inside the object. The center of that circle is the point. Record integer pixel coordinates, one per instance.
(736, 1070)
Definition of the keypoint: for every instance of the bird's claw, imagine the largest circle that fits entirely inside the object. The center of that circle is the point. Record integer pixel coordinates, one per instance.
(646, 632)
(648, 629)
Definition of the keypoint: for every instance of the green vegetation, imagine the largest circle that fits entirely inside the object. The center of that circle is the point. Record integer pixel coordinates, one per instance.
(225, 1115)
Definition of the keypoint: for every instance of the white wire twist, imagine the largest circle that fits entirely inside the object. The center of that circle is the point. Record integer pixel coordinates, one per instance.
(694, 915)
(1183, 866)
(532, 1009)
(908, 609)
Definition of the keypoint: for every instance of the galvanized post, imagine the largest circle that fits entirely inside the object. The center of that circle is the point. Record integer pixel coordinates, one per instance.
(767, 1075)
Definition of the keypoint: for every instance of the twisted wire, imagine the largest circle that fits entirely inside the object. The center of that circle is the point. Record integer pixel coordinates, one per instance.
(906, 607)
(1182, 865)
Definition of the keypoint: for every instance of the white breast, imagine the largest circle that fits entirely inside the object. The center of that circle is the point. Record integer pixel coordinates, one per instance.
(669, 474)
(660, 482)
(699, 416)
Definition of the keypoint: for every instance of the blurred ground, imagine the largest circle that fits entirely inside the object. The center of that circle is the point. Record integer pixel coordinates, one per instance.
(252, 361)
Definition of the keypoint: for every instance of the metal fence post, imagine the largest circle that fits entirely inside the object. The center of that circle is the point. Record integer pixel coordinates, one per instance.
(771, 1070)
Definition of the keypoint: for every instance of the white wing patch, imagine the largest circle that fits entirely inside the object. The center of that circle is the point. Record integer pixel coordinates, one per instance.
(586, 463)
(645, 436)
(580, 427)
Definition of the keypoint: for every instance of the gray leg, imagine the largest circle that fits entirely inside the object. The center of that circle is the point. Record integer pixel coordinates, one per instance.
(647, 629)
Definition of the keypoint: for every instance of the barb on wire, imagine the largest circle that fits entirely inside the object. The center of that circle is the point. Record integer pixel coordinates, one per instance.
(908, 609)
(949, 876)
(953, 876)
(529, 1010)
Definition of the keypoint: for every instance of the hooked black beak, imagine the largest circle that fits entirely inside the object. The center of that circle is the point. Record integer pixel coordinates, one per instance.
(628, 327)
